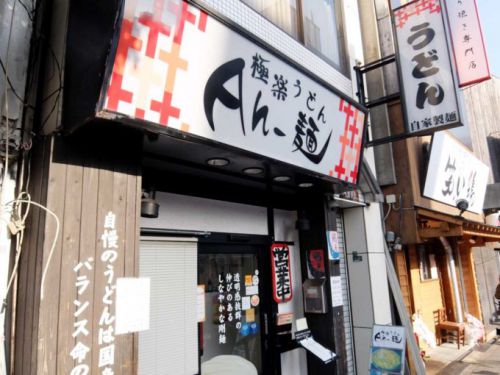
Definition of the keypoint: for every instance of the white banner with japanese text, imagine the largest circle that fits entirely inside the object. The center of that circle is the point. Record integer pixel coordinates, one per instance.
(177, 67)
(454, 173)
(281, 273)
(471, 60)
(428, 89)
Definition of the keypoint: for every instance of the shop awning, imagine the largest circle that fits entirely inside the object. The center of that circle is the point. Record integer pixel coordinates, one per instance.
(434, 224)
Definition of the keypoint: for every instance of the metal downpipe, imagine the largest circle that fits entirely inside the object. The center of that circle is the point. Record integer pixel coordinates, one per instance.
(453, 276)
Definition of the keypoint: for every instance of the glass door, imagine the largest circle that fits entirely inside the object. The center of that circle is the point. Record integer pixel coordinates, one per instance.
(231, 336)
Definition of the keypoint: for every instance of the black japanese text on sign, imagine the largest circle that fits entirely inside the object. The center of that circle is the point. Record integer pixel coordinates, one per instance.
(427, 85)
(281, 273)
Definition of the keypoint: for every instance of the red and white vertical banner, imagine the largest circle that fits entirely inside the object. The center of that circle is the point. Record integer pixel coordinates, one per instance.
(468, 45)
(281, 273)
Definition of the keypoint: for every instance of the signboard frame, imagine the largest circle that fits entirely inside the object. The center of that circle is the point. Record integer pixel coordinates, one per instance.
(152, 127)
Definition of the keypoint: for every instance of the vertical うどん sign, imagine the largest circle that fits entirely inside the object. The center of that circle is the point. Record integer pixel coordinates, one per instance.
(468, 46)
(428, 88)
(177, 67)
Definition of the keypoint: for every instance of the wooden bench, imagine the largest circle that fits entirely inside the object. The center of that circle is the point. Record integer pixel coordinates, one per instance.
(446, 329)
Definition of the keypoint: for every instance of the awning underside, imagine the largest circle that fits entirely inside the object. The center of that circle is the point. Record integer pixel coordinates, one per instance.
(433, 224)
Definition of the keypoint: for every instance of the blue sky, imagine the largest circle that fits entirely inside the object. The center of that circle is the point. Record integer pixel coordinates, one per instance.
(489, 13)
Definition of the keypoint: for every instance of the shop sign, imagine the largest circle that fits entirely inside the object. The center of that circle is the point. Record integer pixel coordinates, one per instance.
(281, 273)
(388, 350)
(176, 66)
(468, 46)
(426, 76)
(454, 174)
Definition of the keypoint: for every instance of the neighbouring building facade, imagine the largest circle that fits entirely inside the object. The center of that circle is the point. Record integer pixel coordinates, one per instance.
(205, 168)
(444, 253)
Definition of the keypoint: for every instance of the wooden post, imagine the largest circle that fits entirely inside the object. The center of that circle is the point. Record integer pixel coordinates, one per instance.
(81, 179)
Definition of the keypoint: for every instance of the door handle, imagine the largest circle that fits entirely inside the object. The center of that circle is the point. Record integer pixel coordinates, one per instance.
(266, 324)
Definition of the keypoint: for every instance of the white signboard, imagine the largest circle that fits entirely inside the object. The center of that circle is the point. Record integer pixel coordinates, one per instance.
(177, 67)
(468, 45)
(132, 304)
(388, 350)
(428, 89)
(336, 287)
(455, 173)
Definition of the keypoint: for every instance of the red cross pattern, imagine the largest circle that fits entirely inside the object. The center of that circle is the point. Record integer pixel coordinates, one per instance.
(153, 62)
(183, 16)
(348, 166)
(403, 14)
(115, 92)
(156, 27)
(165, 108)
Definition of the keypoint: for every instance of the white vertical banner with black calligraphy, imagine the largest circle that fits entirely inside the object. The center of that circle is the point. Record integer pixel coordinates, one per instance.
(454, 173)
(281, 273)
(468, 45)
(427, 83)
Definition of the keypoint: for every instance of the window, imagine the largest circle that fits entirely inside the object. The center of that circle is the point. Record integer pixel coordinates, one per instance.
(315, 23)
(283, 13)
(427, 263)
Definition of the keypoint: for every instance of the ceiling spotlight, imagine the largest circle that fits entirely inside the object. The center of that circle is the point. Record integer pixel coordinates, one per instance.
(217, 162)
(306, 184)
(253, 170)
(281, 178)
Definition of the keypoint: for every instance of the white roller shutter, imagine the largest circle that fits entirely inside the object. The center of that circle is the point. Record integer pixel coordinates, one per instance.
(345, 296)
(170, 346)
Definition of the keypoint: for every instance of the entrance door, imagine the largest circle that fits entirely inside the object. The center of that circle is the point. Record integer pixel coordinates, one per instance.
(234, 333)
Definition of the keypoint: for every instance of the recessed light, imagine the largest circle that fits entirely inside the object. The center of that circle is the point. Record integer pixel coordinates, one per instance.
(253, 170)
(218, 162)
(306, 184)
(281, 178)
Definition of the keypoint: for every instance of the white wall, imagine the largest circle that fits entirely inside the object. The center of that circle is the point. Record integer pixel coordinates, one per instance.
(184, 212)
